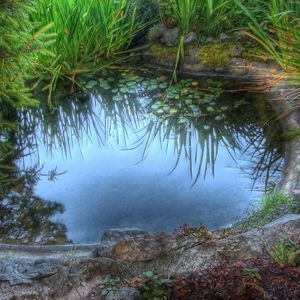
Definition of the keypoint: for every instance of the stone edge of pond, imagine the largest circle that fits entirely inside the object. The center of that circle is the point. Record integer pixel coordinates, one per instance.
(278, 94)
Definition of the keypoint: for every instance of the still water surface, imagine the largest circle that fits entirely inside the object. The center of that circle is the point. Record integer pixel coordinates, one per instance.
(133, 158)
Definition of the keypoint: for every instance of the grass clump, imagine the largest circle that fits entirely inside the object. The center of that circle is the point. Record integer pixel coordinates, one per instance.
(286, 253)
(272, 201)
(274, 206)
(83, 36)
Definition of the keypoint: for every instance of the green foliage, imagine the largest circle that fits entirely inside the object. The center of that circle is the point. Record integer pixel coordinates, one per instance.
(184, 12)
(111, 284)
(273, 200)
(279, 35)
(216, 56)
(274, 205)
(286, 253)
(15, 50)
(155, 287)
(82, 36)
(15, 42)
(205, 17)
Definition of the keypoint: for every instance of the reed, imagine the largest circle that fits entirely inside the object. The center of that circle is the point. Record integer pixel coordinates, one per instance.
(82, 36)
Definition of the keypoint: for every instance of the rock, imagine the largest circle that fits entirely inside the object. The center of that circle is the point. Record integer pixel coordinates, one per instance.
(224, 38)
(170, 37)
(124, 294)
(145, 247)
(112, 236)
(23, 272)
(283, 220)
(166, 36)
(191, 39)
(296, 195)
(238, 66)
(156, 32)
(192, 56)
(241, 35)
(210, 40)
(237, 51)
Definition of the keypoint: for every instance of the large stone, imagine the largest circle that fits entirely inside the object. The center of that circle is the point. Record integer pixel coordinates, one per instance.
(166, 36)
(210, 40)
(113, 236)
(145, 247)
(125, 294)
(224, 38)
(191, 39)
(170, 37)
(241, 36)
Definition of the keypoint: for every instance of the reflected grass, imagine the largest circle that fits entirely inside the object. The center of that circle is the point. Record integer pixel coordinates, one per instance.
(243, 130)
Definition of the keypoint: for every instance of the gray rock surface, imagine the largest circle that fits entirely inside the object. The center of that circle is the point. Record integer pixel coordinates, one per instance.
(191, 39)
(164, 35)
(125, 294)
(210, 40)
(224, 38)
(29, 275)
(112, 236)
(170, 37)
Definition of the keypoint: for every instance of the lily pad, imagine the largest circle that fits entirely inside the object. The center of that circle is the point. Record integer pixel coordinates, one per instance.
(118, 98)
(210, 109)
(131, 83)
(219, 118)
(124, 90)
(91, 84)
(152, 87)
(188, 101)
(160, 111)
(224, 108)
(183, 120)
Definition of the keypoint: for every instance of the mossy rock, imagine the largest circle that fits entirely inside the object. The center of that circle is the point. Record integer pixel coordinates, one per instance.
(164, 55)
(216, 56)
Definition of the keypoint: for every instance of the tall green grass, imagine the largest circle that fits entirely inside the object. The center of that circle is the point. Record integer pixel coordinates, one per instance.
(207, 17)
(279, 35)
(81, 36)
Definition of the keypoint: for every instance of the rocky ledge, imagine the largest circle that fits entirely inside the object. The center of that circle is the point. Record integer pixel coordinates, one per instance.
(72, 274)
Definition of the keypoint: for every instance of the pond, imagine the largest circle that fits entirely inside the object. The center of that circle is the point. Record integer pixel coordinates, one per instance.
(136, 152)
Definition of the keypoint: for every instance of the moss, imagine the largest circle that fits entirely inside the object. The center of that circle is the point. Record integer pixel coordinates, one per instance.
(164, 55)
(216, 56)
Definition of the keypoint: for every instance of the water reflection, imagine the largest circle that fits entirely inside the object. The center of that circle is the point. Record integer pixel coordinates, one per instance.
(27, 218)
(115, 132)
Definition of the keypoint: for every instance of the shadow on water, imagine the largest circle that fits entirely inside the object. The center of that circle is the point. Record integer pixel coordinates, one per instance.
(194, 129)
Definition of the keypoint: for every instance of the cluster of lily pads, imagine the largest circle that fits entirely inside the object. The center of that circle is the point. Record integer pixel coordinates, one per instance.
(127, 82)
(184, 100)
(189, 99)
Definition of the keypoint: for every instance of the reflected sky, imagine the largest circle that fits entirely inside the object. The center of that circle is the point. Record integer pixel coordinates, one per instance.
(122, 166)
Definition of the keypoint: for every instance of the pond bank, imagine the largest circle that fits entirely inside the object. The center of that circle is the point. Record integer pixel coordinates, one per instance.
(70, 275)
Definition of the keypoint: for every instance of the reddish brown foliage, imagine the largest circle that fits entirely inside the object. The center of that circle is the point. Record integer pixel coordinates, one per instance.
(260, 278)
